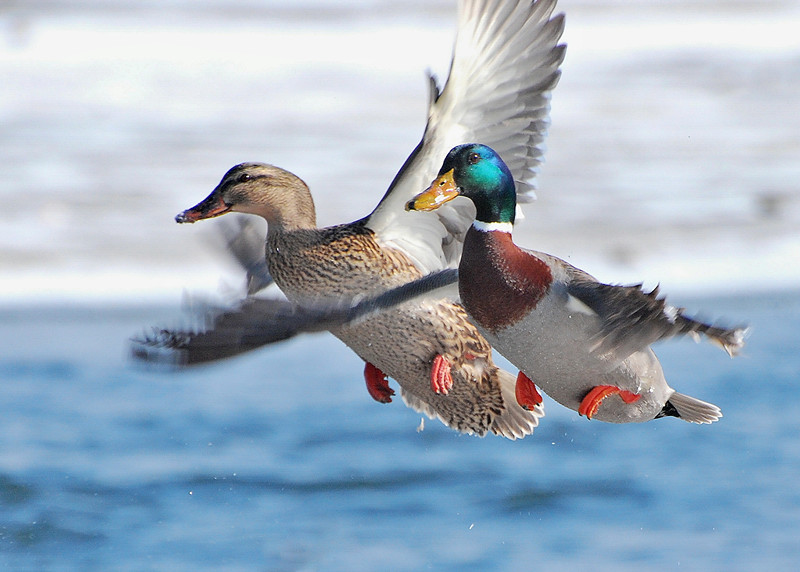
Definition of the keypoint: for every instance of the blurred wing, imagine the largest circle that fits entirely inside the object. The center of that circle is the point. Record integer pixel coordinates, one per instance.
(245, 238)
(632, 319)
(505, 63)
(223, 333)
(257, 322)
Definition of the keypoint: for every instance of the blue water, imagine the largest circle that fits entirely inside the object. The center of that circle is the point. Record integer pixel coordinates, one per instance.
(281, 461)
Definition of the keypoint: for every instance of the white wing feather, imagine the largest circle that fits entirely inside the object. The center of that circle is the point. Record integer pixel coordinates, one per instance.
(505, 63)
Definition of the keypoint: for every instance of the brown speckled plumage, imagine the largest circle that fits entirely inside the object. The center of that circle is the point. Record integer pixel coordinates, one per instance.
(311, 265)
(346, 260)
(330, 262)
(505, 63)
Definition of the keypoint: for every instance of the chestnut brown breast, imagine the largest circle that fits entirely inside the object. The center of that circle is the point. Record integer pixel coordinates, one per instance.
(500, 283)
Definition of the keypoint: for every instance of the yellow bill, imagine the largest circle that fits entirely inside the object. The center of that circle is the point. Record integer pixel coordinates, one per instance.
(442, 190)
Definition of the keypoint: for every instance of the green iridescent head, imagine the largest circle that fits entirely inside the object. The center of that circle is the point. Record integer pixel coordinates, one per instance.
(478, 173)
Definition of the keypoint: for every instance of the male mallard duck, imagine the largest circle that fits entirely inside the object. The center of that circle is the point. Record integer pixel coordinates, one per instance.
(504, 65)
(579, 340)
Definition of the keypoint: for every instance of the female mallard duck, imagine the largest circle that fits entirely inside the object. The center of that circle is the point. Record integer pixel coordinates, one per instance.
(504, 65)
(579, 340)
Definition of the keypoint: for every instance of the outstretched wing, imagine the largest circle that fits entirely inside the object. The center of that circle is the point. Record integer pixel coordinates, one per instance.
(256, 322)
(505, 63)
(225, 333)
(632, 319)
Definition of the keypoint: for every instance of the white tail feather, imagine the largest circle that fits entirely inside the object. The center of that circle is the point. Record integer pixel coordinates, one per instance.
(693, 410)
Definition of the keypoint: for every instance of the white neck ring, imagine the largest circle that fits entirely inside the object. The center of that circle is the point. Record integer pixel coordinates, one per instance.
(493, 226)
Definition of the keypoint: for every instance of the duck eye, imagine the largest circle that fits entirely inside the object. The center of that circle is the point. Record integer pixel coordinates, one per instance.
(473, 158)
(244, 177)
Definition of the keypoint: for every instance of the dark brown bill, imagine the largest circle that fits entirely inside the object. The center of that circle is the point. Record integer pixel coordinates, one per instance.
(211, 206)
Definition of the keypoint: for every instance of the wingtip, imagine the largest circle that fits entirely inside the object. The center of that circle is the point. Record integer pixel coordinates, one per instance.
(161, 348)
(434, 90)
(733, 340)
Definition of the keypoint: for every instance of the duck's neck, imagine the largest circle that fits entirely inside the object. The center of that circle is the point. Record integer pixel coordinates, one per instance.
(288, 222)
(499, 283)
(289, 213)
(495, 201)
(481, 226)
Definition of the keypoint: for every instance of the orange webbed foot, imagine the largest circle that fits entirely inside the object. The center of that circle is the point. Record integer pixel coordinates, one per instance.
(377, 384)
(527, 395)
(591, 403)
(441, 380)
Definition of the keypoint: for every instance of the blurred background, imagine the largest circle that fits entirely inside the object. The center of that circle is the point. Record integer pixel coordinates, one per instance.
(673, 157)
